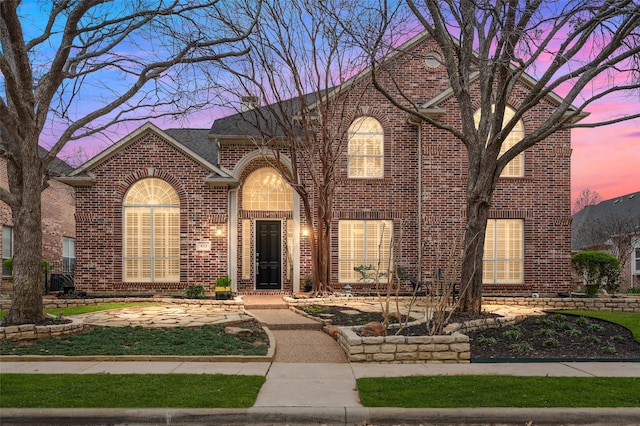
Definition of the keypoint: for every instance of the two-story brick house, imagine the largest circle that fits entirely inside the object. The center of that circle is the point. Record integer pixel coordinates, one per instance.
(162, 210)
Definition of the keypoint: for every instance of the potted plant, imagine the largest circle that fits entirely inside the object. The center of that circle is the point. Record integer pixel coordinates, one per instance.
(223, 288)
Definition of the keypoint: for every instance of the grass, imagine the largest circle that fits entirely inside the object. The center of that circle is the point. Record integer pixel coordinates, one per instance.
(205, 340)
(499, 391)
(77, 310)
(629, 320)
(128, 391)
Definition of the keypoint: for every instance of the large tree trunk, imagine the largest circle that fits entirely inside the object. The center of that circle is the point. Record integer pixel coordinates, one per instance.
(26, 185)
(478, 204)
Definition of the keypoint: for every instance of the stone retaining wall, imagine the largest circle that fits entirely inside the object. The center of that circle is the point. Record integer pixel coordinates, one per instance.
(613, 304)
(32, 332)
(454, 348)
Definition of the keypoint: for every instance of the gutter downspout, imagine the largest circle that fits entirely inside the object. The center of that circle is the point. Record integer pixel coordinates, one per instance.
(419, 128)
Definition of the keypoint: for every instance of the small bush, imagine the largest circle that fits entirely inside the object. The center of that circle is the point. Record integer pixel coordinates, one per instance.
(595, 327)
(487, 340)
(544, 320)
(551, 342)
(521, 347)
(609, 350)
(583, 321)
(592, 339)
(573, 332)
(597, 268)
(617, 338)
(194, 292)
(547, 332)
(513, 333)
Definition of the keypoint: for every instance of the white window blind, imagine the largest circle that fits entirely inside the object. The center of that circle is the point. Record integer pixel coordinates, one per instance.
(515, 168)
(503, 252)
(151, 232)
(364, 243)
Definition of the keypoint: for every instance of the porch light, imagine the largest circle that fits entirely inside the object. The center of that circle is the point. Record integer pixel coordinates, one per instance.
(217, 230)
(305, 232)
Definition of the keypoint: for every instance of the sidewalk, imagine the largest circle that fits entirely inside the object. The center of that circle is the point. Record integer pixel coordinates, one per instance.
(309, 381)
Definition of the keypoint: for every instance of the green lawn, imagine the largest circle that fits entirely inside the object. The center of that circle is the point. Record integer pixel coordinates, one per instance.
(499, 391)
(77, 310)
(128, 391)
(629, 320)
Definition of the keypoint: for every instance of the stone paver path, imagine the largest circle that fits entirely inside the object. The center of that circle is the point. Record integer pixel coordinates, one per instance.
(165, 316)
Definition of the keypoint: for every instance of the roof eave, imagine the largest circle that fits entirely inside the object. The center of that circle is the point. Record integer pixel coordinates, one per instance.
(220, 181)
(75, 181)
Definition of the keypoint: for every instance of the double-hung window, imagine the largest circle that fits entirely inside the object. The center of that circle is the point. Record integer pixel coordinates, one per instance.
(366, 244)
(635, 260)
(503, 252)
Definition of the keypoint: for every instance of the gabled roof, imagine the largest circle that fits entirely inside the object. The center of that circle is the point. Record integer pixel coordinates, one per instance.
(594, 225)
(193, 143)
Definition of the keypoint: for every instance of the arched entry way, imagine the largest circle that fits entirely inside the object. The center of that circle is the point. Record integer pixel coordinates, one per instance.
(267, 212)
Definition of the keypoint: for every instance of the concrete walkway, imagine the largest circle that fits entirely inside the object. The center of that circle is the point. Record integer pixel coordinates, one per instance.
(309, 381)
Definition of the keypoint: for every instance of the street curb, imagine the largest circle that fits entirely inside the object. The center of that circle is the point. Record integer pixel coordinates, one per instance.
(325, 415)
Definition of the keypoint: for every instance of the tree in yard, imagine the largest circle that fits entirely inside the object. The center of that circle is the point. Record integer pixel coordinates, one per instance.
(586, 198)
(587, 50)
(137, 55)
(296, 67)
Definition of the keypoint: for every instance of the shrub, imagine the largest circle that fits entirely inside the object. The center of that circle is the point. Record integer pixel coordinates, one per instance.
(597, 268)
(521, 347)
(487, 340)
(513, 333)
(194, 292)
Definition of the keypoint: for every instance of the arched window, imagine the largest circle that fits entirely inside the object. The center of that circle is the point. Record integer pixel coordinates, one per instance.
(151, 251)
(265, 189)
(366, 148)
(515, 168)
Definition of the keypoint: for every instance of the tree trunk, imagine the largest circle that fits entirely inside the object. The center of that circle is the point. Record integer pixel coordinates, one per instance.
(27, 306)
(478, 204)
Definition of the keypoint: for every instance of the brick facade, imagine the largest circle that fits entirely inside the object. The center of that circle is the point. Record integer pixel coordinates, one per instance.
(423, 166)
(58, 209)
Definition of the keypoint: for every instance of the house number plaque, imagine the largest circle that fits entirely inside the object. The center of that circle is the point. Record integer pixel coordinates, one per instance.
(203, 245)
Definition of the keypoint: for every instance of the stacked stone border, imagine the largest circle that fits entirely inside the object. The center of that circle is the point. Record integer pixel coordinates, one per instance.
(454, 347)
(32, 331)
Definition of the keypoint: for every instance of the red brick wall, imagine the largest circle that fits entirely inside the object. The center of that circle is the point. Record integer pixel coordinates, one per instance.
(99, 218)
(58, 208)
(541, 198)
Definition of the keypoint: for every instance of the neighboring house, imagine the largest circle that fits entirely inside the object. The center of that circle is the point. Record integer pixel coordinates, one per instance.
(162, 210)
(614, 226)
(58, 223)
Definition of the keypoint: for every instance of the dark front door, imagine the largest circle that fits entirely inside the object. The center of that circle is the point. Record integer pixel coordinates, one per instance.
(268, 255)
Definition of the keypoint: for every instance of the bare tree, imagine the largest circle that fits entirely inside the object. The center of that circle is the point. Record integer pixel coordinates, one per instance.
(586, 198)
(135, 54)
(297, 66)
(587, 49)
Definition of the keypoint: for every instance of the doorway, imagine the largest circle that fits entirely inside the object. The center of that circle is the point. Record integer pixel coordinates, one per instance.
(268, 255)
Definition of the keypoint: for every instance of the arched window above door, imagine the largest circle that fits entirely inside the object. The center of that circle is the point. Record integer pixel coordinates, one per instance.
(265, 189)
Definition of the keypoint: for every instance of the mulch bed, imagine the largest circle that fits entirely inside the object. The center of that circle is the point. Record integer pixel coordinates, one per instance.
(551, 336)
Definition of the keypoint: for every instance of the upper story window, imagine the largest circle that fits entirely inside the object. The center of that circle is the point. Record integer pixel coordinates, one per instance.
(635, 260)
(515, 168)
(366, 148)
(151, 232)
(265, 189)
